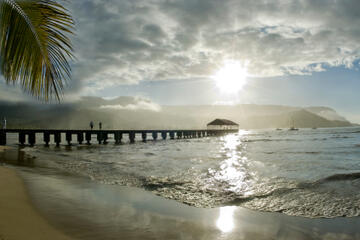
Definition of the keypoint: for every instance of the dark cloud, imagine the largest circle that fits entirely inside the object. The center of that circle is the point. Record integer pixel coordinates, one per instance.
(124, 42)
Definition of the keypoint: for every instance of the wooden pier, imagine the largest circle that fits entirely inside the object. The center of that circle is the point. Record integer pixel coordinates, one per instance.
(28, 136)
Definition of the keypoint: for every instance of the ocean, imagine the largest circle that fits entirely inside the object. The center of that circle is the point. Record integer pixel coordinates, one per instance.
(313, 173)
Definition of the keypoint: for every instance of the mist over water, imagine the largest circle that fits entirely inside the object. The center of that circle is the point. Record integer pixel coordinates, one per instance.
(311, 173)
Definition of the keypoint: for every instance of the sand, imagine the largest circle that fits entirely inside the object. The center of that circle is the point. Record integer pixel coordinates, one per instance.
(19, 220)
(2, 148)
(89, 210)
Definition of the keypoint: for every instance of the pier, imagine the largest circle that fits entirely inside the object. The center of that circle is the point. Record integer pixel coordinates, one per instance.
(33, 136)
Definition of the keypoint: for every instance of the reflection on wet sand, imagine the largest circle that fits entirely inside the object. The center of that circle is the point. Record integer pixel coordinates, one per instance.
(16, 156)
(89, 210)
(225, 222)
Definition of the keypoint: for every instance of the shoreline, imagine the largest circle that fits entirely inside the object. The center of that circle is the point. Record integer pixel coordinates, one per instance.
(46, 204)
(19, 218)
(89, 210)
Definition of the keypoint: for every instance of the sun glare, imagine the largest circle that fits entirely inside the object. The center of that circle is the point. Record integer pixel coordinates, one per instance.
(231, 78)
(225, 222)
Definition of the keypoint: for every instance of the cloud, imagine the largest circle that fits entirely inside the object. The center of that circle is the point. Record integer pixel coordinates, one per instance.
(125, 42)
(138, 104)
(331, 115)
(225, 103)
(12, 92)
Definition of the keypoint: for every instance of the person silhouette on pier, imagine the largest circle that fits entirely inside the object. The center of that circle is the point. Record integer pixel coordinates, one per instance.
(91, 125)
(4, 123)
(100, 125)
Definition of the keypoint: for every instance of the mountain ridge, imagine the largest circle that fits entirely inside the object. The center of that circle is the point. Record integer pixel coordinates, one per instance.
(140, 113)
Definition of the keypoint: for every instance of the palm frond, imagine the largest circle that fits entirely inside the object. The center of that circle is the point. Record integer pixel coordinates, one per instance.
(35, 49)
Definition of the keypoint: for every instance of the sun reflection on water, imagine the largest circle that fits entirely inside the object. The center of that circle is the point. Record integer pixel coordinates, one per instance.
(231, 141)
(225, 222)
(233, 170)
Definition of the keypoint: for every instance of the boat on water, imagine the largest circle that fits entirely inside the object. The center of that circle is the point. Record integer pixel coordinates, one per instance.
(278, 129)
(293, 128)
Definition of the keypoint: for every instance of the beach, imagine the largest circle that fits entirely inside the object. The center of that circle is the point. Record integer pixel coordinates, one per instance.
(179, 120)
(52, 186)
(87, 210)
(18, 217)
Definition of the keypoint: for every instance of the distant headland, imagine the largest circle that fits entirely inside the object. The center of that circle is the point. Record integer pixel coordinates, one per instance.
(138, 113)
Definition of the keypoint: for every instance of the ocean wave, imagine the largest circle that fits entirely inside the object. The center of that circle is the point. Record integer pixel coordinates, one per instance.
(309, 199)
(353, 132)
(148, 154)
(304, 199)
(238, 176)
(273, 140)
(242, 200)
(308, 203)
(288, 152)
(310, 152)
(337, 137)
(340, 177)
(313, 199)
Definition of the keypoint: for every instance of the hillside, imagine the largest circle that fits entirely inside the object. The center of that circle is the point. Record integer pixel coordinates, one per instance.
(138, 113)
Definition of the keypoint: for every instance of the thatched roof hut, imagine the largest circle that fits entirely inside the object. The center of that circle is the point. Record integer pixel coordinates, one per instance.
(222, 124)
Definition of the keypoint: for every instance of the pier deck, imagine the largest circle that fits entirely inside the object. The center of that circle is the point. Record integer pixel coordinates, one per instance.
(28, 136)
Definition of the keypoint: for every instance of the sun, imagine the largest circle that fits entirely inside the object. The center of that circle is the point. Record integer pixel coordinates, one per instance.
(231, 78)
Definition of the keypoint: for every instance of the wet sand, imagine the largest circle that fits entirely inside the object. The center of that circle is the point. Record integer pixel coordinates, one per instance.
(19, 220)
(88, 210)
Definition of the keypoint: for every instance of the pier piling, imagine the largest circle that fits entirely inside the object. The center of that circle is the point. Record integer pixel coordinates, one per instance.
(22, 138)
(172, 135)
(80, 137)
(57, 138)
(143, 136)
(32, 138)
(105, 138)
(132, 137)
(163, 135)
(46, 138)
(88, 138)
(68, 138)
(99, 137)
(2, 137)
(118, 137)
(28, 136)
(154, 135)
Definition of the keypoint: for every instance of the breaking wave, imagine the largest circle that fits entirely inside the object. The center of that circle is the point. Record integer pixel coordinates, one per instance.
(297, 174)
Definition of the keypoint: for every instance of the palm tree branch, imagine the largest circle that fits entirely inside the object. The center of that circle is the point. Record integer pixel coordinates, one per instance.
(34, 47)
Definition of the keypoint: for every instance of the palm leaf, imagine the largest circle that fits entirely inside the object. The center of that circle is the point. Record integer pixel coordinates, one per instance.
(35, 49)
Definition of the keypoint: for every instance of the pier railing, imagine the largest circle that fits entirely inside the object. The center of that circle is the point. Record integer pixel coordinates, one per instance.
(28, 136)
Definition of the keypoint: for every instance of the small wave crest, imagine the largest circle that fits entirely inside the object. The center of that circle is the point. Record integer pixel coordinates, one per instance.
(273, 140)
(340, 177)
(228, 174)
(149, 154)
(340, 137)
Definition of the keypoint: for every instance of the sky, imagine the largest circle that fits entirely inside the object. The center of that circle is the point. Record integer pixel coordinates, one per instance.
(300, 52)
